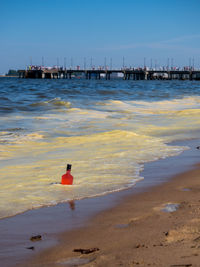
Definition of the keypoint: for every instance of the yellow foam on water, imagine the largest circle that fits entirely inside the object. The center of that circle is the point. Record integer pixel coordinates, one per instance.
(103, 161)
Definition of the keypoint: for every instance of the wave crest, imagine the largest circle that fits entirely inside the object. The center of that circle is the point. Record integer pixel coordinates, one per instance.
(55, 103)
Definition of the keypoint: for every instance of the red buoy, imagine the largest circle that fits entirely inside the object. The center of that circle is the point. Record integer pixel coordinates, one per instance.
(67, 178)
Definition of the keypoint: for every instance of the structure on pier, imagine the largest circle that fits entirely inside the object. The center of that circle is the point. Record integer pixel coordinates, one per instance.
(127, 74)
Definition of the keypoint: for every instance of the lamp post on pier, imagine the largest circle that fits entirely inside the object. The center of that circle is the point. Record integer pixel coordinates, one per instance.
(144, 62)
(123, 63)
(105, 63)
(72, 63)
(42, 61)
(110, 63)
(91, 63)
(64, 63)
(84, 63)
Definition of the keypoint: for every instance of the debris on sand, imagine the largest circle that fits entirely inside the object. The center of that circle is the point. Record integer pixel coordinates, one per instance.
(86, 251)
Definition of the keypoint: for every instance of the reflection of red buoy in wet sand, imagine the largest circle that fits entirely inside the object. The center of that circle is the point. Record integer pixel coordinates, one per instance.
(67, 178)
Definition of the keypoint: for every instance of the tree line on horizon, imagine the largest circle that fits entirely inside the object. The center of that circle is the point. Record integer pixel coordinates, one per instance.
(12, 72)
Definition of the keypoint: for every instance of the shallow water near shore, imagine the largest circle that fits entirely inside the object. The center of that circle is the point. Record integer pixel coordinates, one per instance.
(50, 221)
(107, 130)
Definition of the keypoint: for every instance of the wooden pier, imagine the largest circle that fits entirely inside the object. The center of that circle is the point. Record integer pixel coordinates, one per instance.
(126, 74)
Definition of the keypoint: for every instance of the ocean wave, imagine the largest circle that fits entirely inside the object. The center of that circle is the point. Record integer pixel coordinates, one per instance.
(15, 129)
(19, 138)
(53, 103)
(183, 105)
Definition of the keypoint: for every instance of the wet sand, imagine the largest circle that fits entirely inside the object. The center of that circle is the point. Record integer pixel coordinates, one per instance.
(153, 224)
(142, 230)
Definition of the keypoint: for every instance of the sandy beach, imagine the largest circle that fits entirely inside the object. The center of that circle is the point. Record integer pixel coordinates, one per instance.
(99, 133)
(157, 227)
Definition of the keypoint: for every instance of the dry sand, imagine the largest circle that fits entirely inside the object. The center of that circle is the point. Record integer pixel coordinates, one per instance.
(137, 232)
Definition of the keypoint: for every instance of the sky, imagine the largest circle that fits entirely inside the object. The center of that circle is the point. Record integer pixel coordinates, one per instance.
(99, 32)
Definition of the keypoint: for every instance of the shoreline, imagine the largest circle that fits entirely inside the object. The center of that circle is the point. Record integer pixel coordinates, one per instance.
(142, 230)
(94, 207)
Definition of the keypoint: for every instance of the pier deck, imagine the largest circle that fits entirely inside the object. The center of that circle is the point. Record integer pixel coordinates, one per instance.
(126, 74)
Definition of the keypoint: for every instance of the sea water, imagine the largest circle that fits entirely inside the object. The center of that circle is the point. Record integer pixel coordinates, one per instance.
(107, 130)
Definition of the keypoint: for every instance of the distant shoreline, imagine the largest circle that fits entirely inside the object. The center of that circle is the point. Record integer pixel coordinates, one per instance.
(8, 76)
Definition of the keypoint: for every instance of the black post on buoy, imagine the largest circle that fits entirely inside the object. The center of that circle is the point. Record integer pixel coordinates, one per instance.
(69, 166)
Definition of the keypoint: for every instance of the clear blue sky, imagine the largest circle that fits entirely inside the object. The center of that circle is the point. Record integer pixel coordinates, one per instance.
(76, 29)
